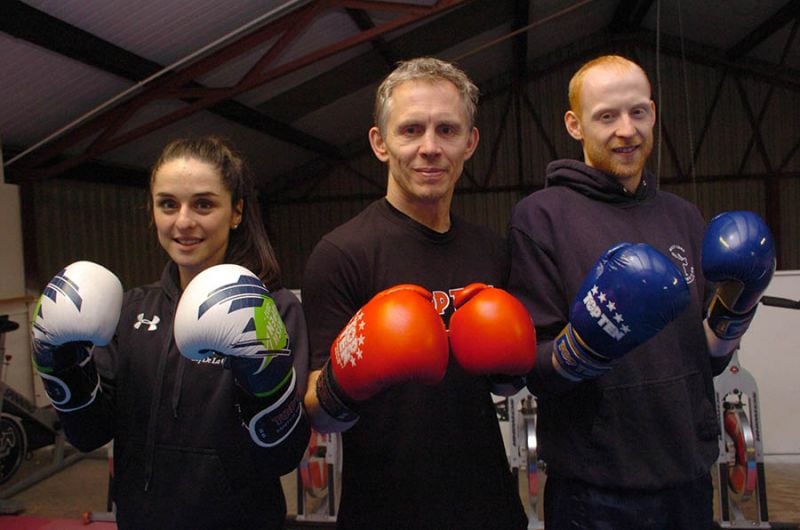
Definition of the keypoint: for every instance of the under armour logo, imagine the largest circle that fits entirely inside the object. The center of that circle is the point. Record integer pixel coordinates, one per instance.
(152, 325)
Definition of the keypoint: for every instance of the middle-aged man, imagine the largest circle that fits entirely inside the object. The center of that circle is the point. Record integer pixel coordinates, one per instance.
(421, 441)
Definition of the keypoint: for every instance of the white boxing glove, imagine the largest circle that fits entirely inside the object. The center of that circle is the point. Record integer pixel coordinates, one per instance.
(226, 310)
(81, 303)
(78, 308)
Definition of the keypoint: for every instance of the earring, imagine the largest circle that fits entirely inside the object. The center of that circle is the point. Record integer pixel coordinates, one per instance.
(234, 227)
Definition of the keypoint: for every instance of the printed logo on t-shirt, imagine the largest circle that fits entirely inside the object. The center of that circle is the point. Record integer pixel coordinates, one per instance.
(151, 323)
(680, 254)
(442, 301)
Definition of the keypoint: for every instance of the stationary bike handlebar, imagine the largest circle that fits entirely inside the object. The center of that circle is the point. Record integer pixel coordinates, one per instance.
(776, 301)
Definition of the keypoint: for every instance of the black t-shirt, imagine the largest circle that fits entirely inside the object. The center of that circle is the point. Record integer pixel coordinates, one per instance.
(420, 456)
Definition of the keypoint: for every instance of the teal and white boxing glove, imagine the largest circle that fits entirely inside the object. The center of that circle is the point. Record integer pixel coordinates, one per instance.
(78, 309)
(226, 310)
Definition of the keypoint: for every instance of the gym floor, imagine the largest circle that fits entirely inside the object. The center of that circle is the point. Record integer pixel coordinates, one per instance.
(82, 487)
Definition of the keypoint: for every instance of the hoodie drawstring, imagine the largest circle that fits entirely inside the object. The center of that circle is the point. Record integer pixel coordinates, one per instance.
(152, 422)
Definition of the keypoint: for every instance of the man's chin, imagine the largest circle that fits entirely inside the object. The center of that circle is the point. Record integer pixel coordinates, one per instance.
(431, 195)
(632, 170)
(626, 173)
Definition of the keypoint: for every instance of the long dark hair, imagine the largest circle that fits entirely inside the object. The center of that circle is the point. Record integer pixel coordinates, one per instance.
(248, 244)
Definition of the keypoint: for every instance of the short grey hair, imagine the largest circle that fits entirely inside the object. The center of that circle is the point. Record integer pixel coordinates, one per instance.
(425, 69)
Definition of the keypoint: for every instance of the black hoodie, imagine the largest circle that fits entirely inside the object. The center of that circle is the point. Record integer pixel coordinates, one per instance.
(650, 422)
(182, 457)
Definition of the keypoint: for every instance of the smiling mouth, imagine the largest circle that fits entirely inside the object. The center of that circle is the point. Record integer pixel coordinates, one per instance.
(430, 171)
(625, 150)
(187, 242)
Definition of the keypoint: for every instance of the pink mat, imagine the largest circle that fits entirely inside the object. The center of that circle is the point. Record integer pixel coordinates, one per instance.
(22, 522)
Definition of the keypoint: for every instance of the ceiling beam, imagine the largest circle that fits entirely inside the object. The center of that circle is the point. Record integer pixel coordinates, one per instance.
(471, 18)
(103, 130)
(782, 17)
(606, 42)
(24, 22)
(364, 23)
(37, 27)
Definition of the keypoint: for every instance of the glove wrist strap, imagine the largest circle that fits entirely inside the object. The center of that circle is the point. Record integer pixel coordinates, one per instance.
(271, 425)
(332, 398)
(74, 386)
(727, 324)
(574, 360)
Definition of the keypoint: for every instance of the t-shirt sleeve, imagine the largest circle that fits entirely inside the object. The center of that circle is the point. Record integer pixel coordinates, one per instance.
(294, 319)
(329, 281)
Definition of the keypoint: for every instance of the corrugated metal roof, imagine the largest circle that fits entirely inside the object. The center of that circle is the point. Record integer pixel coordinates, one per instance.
(41, 92)
(325, 105)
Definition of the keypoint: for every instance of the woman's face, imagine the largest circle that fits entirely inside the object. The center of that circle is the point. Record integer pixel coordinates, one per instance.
(193, 214)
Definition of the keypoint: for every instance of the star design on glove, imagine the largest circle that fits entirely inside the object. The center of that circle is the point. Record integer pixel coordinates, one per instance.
(348, 345)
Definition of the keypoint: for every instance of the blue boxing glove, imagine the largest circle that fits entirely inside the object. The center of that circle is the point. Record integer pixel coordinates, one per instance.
(738, 254)
(226, 310)
(632, 293)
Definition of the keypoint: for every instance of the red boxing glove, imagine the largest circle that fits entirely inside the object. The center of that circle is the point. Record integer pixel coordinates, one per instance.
(395, 338)
(491, 332)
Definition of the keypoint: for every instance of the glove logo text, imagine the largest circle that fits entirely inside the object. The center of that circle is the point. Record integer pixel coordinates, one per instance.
(612, 325)
(348, 347)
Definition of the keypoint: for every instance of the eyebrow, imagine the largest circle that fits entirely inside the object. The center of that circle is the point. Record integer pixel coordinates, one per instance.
(638, 105)
(201, 194)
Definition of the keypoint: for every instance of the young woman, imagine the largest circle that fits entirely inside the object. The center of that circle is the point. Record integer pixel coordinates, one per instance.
(200, 441)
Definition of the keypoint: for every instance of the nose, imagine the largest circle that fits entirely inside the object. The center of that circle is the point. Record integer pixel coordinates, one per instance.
(625, 127)
(185, 219)
(429, 144)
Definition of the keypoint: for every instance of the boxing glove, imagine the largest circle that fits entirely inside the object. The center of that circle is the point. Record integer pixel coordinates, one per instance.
(491, 332)
(738, 254)
(394, 338)
(226, 310)
(78, 308)
(631, 293)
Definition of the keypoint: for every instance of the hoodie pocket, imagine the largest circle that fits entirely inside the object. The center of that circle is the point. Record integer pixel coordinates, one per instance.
(659, 433)
(188, 488)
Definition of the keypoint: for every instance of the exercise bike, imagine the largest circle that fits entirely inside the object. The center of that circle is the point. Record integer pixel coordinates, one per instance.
(24, 427)
(742, 500)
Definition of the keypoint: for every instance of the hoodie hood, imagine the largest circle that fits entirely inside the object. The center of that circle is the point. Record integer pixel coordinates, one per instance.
(597, 185)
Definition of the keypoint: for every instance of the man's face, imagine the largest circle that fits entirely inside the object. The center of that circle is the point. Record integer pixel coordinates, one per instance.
(615, 122)
(426, 140)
